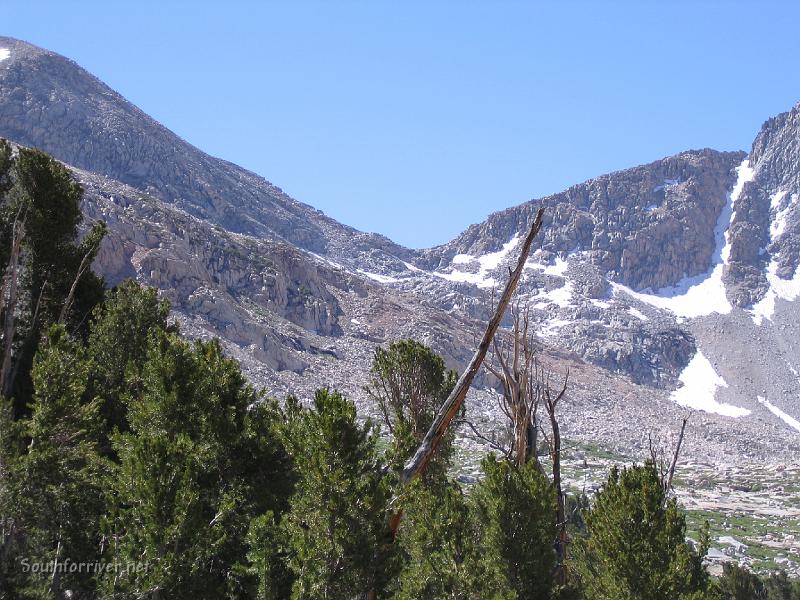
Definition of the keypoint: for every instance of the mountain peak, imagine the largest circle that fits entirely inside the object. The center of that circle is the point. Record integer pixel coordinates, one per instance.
(49, 102)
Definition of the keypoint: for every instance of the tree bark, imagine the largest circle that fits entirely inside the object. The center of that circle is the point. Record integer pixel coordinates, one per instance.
(10, 306)
(419, 462)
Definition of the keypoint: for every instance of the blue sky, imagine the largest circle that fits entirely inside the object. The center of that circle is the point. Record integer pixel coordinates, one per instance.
(415, 119)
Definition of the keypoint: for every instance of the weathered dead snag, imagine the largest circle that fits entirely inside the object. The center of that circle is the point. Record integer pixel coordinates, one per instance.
(418, 463)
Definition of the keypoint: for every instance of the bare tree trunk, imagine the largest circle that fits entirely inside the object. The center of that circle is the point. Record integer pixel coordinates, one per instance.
(516, 370)
(551, 403)
(10, 306)
(71, 295)
(668, 484)
(666, 473)
(418, 463)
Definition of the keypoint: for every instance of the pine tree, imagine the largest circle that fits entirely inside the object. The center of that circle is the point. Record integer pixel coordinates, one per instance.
(439, 546)
(267, 559)
(56, 284)
(636, 548)
(336, 520)
(779, 587)
(117, 347)
(514, 508)
(60, 482)
(198, 464)
(410, 382)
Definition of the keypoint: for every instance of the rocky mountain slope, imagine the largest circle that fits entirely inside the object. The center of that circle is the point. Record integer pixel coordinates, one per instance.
(663, 288)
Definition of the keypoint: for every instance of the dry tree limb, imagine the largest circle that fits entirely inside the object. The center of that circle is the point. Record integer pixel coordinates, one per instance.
(419, 462)
(671, 473)
(11, 281)
(666, 473)
(550, 405)
(86, 262)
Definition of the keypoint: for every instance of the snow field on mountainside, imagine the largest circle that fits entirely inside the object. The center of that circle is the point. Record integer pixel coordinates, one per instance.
(786, 418)
(785, 289)
(700, 383)
(704, 294)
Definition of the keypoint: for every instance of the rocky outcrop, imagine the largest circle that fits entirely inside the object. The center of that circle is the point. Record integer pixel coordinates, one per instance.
(755, 237)
(302, 301)
(647, 227)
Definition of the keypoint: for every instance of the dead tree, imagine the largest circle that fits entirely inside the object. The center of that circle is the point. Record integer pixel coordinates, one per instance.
(516, 368)
(525, 386)
(10, 294)
(551, 400)
(418, 463)
(665, 471)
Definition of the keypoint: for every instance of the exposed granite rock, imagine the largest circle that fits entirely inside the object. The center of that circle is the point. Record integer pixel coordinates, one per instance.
(775, 159)
(302, 301)
(646, 227)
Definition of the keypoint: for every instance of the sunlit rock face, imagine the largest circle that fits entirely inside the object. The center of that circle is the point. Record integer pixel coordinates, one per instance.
(664, 288)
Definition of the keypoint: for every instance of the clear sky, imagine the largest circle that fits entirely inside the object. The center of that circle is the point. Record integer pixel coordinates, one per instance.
(415, 119)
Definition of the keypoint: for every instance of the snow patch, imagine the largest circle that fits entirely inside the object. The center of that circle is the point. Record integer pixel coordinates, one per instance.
(778, 225)
(328, 261)
(377, 277)
(785, 289)
(4, 54)
(600, 303)
(788, 419)
(638, 314)
(486, 263)
(560, 296)
(462, 259)
(703, 294)
(559, 268)
(412, 268)
(492, 260)
(552, 327)
(744, 174)
(700, 383)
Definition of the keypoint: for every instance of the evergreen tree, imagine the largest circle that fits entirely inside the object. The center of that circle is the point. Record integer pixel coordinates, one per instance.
(267, 557)
(636, 548)
(438, 542)
(56, 283)
(514, 508)
(737, 583)
(410, 382)
(199, 463)
(118, 341)
(779, 587)
(60, 482)
(336, 520)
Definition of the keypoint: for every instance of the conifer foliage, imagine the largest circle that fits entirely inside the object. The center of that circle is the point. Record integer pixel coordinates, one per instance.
(336, 520)
(636, 544)
(149, 460)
